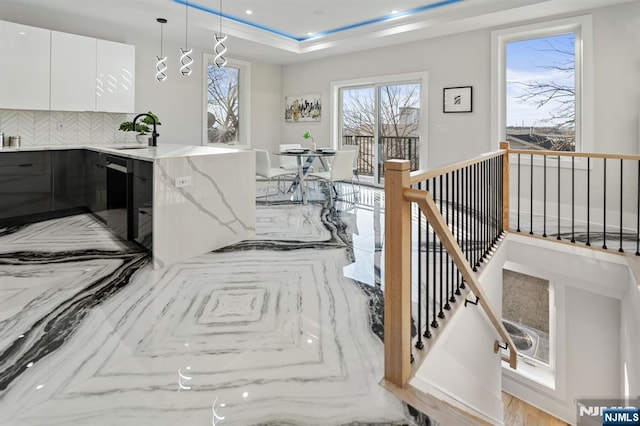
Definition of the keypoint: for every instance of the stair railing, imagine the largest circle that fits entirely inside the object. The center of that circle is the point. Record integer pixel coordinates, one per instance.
(466, 207)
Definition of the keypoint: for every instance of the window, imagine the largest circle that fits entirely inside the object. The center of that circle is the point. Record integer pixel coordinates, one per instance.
(383, 118)
(542, 85)
(226, 109)
(525, 313)
(541, 92)
(530, 317)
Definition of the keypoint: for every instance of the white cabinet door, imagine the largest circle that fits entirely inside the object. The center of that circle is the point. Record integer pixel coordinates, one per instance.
(115, 82)
(73, 72)
(24, 74)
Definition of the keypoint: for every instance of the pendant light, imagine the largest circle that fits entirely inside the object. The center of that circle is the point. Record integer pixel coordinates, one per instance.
(220, 49)
(161, 61)
(185, 54)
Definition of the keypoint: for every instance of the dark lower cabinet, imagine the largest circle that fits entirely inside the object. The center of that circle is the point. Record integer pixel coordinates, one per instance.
(25, 184)
(95, 183)
(68, 179)
(39, 185)
(142, 203)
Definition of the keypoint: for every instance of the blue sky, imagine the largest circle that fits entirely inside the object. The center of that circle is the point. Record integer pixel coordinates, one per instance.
(526, 61)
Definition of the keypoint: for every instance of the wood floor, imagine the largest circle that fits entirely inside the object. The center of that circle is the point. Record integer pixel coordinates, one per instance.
(519, 413)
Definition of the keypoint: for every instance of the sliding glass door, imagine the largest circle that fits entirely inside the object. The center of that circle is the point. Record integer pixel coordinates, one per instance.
(383, 121)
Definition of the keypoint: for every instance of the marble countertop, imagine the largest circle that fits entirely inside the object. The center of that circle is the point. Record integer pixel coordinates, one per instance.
(136, 151)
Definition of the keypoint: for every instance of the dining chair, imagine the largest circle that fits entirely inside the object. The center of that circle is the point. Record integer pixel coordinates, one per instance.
(356, 173)
(288, 163)
(341, 170)
(264, 170)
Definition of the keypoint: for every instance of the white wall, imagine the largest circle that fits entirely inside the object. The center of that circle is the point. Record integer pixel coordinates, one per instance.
(461, 368)
(459, 60)
(588, 286)
(465, 59)
(630, 330)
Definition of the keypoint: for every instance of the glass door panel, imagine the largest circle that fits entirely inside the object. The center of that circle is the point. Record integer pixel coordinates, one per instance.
(398, 125)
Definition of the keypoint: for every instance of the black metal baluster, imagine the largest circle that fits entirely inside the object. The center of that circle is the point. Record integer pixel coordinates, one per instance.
(604, 217)
(558, 237)
(620, 250)
(496, 207)
(588, 200)
(442, 262)
(468, 214)
(544, 196)
(518, 228)
(452, 220)
(487, 211)
(458, 224)
(446, 265)
(478, 212)
(501, 191)
(531, 195)
(419, 344)
(464, 229)
(482, 212)
(434, 323)
(474, 225)
(427, 332)
(573, 199)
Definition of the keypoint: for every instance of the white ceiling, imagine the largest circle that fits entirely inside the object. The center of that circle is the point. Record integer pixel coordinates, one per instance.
(259, 35)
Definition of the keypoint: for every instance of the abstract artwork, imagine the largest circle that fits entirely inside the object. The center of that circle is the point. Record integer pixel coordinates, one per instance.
(302, 108)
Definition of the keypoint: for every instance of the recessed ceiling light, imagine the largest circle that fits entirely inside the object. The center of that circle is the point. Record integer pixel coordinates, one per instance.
(394, 11)
(309, 34)
(22, 33)
(249, 12)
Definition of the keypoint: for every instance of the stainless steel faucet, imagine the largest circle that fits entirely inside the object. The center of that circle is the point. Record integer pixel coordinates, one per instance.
(154, 134)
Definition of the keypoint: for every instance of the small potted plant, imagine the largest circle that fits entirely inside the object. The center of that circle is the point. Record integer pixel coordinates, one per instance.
(307, 135)
(142, 127)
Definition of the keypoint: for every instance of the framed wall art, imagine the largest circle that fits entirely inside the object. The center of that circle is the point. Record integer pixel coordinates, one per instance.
(302, 108)
(457, 99)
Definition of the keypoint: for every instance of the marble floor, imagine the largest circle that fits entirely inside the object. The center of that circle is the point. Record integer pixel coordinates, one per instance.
(282, 329)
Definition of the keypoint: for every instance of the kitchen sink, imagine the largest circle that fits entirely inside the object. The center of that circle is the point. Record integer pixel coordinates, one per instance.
(130, 147)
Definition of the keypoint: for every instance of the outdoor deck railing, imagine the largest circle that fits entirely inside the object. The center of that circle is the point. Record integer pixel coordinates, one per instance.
(391, 147)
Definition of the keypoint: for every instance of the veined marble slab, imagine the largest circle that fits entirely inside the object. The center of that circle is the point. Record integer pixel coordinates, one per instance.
(203, 197)
(216, 209)
(259, 334)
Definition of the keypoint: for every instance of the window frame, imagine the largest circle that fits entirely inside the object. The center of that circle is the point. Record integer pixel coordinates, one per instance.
(582, 27)
(244, 99)
(421, 77)
(546, 377)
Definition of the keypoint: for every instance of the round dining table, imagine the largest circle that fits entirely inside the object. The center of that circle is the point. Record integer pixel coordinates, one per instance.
(304, 159)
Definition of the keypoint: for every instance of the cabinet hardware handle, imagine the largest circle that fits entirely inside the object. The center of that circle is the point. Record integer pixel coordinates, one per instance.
(25, 165)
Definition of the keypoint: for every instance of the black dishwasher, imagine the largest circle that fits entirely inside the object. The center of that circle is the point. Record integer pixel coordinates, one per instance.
(119, 196)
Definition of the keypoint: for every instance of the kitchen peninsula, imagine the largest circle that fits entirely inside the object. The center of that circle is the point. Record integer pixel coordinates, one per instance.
(179, 201)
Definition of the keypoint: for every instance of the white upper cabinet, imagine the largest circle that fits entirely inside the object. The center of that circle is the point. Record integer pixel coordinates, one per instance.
(115, 82)
(73, 72)
(25, 70)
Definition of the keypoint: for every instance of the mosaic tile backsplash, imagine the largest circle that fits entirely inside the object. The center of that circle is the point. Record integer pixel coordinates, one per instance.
(39, 128)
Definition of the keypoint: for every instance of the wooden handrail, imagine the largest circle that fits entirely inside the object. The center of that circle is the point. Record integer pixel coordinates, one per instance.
(439, 226)
(574, 154)
(422, 175)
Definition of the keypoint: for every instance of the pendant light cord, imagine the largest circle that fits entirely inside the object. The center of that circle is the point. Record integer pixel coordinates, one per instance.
(186, 25)
(220, 17)
(161, 25)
